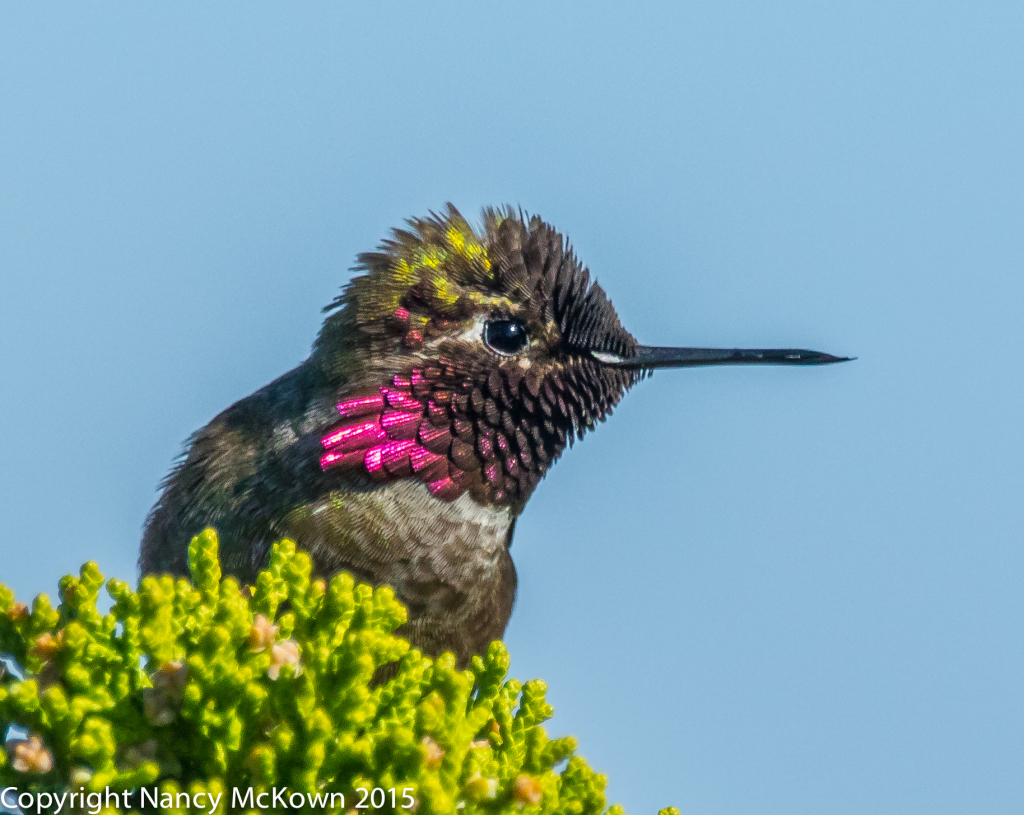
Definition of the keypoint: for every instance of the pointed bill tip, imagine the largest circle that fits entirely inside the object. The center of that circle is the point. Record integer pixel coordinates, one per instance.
(651, 357)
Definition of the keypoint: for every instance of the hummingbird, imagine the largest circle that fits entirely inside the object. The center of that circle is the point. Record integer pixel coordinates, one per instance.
(449, 375)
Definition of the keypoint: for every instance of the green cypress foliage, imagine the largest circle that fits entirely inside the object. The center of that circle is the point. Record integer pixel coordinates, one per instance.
(208, 688)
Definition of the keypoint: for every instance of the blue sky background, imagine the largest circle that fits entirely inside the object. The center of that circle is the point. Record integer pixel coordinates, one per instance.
(752, 591)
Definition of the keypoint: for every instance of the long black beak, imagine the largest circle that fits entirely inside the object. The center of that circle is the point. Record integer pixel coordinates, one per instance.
(649, 357)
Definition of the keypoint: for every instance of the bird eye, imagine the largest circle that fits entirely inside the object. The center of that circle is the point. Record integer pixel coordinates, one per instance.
(505, 336)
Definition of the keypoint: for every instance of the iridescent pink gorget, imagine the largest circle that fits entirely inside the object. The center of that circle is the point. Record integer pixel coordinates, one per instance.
(388, 436)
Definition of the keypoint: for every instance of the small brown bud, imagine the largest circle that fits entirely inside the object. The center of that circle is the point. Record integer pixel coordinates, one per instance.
(45, 646)
(30, 756)
(262, 634)
(527, 790)
(18, 611)
(433, 754)
(284, 653)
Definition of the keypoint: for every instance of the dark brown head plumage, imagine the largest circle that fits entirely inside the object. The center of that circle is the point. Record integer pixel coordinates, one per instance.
(427, 305)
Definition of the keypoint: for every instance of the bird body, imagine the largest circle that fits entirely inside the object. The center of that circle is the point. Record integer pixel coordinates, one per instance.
(447, 378)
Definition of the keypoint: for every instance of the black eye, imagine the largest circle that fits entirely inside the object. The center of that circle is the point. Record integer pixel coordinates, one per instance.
(505, 336)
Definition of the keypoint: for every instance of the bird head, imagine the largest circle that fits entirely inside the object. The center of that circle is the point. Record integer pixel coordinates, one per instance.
(473, 356)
